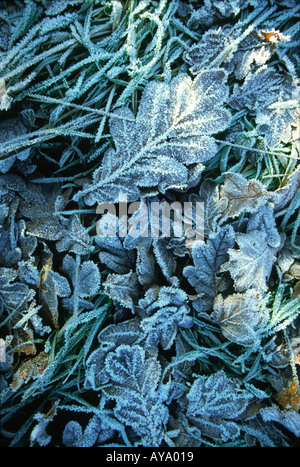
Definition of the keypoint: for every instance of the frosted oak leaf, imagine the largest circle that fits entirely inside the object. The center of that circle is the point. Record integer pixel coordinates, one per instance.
(167, 143)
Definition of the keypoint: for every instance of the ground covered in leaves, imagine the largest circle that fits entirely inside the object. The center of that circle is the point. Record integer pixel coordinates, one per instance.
(138, 340)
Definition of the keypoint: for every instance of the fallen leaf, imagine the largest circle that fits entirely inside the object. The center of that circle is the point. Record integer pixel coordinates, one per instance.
(288, 397)
(32, 368)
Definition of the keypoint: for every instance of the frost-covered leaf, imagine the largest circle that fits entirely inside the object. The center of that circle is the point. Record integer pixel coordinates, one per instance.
(86, 281)
(165, 259)
(265, 93)
(250, 266)
(72, 434)
(74, 238)
(171, 134)
(213, 206)
(5, 99)
(253, 51)
(89, 278)
(207, 262)
(215, 403)
(96, 431)
(284, 195)
(146, 219)
(212, 12)
(263, 220)
(237, 194)
(145, 266)
(40, 204)
(33, 368)
(289, 419)
(139, 400)
(167, 313)
(114, 253)
(10, 129)
(39, 435)
(12, 294)
(267, 434)
(125, 333)
(213, 43)
(124, 288)
(240, 316)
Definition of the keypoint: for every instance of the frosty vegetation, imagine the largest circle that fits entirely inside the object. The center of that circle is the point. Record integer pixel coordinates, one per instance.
(144, 341)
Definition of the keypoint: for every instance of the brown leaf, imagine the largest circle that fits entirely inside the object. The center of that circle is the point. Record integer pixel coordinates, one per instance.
(32, 368)
(288, 397)
(240, 194)
(296, 291)
(239, 316)
(21, 337)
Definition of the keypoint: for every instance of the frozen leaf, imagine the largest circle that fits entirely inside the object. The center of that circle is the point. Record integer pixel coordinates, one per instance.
(33, 368)
(213, 205)
(268, 434)
(40, 204)
(252, 51)
(165, 259)
(288, 397)
(86, 281)
(237, 194)
(207, 262)
(215, 403)
(10, 253)
(23, 341)
(9, 130)
(28, 273)
(215, 11)
(125, 333)
(240, 316)
(12, 294)
(114, 254)
(150, 217)
(171, 135)
(124, 288)
(145, 266)
(250, 266)
(74, 237)
(38, 434)
(212, 44)
(167, 313)
(263, 220)
(289, 419)
(269, 96)
(134, 386)
(89, 278)
(96, 431)
(72, 434)
(284, 195)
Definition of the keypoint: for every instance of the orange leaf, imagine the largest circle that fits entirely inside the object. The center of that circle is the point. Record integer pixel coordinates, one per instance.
(289, 397)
